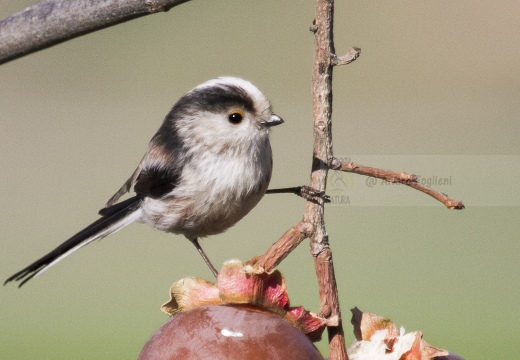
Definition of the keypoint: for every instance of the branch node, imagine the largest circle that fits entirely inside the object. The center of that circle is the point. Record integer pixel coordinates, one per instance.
(325, 312)
(348, 166)
(313, 28)
(351, 55)
(334, 163)
(317, 248)
(305, 228)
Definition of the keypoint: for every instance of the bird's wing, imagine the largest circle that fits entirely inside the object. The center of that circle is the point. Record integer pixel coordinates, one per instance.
(159, 170)
(155, 182)
(126, 186)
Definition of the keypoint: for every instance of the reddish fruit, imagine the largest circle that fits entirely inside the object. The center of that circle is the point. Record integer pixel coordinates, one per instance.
(228, 332)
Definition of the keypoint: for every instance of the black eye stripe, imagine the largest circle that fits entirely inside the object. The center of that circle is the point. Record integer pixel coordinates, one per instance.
(216, 99)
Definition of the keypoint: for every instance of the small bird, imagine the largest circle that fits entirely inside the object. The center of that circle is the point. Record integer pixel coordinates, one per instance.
(207, 166)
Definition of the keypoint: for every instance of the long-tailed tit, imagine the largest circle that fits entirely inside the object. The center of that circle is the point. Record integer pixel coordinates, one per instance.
(206, 167)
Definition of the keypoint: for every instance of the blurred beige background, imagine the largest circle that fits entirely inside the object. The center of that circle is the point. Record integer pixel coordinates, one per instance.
(435, 92)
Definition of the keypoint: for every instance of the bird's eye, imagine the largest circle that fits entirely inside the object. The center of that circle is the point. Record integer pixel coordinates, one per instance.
(236, 117)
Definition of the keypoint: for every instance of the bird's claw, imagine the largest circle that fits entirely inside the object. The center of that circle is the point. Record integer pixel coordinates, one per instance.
(313, 195)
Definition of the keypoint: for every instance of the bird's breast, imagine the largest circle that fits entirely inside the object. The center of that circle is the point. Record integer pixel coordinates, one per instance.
(213, 194)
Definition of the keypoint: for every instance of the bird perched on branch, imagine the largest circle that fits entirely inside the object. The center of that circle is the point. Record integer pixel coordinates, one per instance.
(206, 167)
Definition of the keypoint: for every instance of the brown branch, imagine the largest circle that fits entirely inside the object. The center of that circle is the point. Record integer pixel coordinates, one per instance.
(280, 249)
(312, 224)
(399, 177)
(51, 22)
(314, 212)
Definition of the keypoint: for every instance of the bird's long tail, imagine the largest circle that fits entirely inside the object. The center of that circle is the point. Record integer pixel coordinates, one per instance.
(113, 219)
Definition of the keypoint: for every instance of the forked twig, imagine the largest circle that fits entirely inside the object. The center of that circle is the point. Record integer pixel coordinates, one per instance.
(312, 224)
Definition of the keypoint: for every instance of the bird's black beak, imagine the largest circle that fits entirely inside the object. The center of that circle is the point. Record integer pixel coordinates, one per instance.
(273, 121)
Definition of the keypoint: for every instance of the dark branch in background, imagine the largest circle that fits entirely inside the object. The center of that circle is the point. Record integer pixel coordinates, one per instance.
(51, 22)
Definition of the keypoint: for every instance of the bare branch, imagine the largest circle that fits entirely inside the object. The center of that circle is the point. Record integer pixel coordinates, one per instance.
(51, 22)
(313, 217)
(314, 212)
(399, 177)
(280, 249)
(312, 224)
(387, 175)
(443, 198)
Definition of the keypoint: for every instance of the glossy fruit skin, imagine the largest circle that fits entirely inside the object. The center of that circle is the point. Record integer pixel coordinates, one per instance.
(228, 333)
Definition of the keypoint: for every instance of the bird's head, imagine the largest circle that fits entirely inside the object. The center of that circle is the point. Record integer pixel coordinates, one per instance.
(223, 114)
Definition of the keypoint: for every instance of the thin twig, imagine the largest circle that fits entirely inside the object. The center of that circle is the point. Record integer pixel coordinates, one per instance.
(351, 55)
(51, 22)
(402, 178)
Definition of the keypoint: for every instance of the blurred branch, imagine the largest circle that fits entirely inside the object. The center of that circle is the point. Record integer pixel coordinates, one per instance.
(51, 22)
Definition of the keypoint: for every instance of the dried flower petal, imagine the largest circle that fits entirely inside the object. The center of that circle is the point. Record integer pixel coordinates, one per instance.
(378, 338)
(366, 324)
(422, 350)
(236, 285)
(376, 347)
(190, 293)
